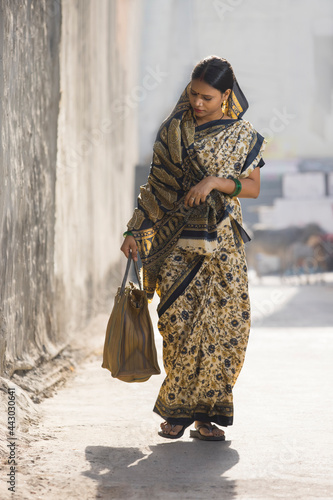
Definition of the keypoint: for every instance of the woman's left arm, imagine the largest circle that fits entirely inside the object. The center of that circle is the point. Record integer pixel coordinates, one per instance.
(198, 193)
(250, 185)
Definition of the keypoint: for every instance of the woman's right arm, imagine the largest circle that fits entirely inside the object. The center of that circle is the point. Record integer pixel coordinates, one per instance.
(129, 245)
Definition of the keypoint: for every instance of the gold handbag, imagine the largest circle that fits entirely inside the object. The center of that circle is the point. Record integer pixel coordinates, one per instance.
(129, 348)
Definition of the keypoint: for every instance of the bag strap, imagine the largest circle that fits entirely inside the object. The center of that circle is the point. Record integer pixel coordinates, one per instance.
(129, 260)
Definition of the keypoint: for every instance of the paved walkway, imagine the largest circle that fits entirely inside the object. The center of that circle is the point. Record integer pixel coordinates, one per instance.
(98, 436)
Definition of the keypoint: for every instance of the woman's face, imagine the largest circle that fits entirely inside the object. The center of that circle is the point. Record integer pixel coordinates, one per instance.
(206, 101)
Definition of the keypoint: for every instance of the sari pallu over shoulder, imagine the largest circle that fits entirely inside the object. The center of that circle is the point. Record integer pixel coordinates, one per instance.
(182, 156)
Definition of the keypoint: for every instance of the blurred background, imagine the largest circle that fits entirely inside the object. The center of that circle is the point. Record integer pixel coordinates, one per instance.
(84, 86)
(282, 55)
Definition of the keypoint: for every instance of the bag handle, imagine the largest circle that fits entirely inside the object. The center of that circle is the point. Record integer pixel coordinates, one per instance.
(129, 260)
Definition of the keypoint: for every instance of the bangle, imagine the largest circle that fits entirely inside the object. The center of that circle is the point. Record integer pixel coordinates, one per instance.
(127, 233)
(238, 188)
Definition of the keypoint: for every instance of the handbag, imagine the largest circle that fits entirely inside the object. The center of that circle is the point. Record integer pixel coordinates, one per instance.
(129, 349)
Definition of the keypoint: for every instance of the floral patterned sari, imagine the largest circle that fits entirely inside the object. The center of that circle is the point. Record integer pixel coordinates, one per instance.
(194, 258)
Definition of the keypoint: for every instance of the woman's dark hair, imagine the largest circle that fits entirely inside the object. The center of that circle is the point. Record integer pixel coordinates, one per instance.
(215, 71)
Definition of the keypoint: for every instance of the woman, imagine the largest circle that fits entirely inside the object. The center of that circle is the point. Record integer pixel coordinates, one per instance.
(188, 231)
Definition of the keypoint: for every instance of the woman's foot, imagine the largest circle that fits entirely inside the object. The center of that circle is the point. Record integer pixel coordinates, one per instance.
(207, 431)
(170, 429)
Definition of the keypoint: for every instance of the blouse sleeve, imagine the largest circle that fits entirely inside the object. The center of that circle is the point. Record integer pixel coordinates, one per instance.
(254, 158)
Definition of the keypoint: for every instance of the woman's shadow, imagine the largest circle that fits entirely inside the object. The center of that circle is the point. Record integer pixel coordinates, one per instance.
(171, 470)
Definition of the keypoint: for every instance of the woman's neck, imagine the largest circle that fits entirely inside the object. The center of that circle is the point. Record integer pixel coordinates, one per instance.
(202, 121)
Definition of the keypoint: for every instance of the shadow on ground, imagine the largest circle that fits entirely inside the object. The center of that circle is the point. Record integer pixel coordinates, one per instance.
(186, 470)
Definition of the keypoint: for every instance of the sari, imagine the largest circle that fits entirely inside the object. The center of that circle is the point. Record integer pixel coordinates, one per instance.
(194, 258)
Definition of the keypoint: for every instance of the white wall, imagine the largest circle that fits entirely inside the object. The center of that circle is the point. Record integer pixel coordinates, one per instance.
(282, 55)
(97, 151)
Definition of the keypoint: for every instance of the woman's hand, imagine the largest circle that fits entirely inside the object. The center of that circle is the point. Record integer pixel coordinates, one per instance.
(198, 193)
(129, 245)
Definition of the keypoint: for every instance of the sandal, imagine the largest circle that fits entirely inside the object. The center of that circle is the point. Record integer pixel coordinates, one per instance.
(173, 436)
(197, 434)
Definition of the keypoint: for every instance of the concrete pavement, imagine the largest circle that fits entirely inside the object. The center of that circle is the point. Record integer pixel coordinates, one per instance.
(98, 436)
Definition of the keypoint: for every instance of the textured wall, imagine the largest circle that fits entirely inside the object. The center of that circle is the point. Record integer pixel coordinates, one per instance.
(96, 151)
(67, 156)
(29, 112)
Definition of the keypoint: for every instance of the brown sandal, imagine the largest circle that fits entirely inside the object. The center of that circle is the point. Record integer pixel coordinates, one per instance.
(173, 436)
(197, 434)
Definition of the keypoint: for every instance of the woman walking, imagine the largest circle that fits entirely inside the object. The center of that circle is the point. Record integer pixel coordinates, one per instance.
(188, 231)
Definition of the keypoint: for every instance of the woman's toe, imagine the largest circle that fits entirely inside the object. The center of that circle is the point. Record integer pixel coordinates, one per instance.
(216, 431)
(172, 430)
(165, 427)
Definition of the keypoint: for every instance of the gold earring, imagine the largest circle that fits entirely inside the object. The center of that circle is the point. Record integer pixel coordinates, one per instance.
(225, 107)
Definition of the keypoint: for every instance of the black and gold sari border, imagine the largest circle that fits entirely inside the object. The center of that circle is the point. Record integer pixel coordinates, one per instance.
(220, 413)
(254, 152)
(180, 285)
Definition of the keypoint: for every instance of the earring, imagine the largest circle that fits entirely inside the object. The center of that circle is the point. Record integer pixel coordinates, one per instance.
(225, 107)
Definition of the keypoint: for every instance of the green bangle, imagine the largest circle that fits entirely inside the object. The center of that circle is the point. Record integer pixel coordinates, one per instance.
(127, 233)
(238, 188)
